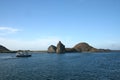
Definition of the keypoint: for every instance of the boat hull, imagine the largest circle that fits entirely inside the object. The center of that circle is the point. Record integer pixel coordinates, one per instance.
(23, 55)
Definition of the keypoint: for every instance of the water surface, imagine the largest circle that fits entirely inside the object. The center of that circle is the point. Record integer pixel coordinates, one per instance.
(73, 66)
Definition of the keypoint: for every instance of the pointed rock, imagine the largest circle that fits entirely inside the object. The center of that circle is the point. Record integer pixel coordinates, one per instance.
(60, 48)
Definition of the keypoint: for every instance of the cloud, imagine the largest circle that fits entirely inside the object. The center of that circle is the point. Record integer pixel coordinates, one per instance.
(8, 30)
(37, 44)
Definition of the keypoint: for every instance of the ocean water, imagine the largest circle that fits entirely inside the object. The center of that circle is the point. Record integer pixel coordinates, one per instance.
(70, 66)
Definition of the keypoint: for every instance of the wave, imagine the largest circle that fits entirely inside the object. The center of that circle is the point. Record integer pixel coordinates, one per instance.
(8, 57)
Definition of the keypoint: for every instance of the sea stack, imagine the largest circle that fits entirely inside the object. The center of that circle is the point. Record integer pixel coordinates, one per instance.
(60, 48)
(52, 49)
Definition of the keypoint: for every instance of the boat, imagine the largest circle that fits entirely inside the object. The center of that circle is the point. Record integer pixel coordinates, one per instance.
(23, 54)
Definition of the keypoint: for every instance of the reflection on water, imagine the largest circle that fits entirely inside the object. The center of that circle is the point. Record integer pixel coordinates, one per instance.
(6, 56)
(73, 66)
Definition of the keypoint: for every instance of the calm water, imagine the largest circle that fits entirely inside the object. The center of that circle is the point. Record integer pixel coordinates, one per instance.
(73, 66)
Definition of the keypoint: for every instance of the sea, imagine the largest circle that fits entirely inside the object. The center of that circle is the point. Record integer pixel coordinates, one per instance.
(69, 66)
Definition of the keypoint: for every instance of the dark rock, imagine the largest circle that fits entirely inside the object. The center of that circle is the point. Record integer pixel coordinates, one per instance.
(51, 49)
(103, 50)
(83, 47)
(94, 50)
(60, 48)
(3, 49)
(70, 50)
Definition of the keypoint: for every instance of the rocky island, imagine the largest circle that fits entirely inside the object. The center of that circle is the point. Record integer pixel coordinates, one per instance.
(80, 47)
(3, 49)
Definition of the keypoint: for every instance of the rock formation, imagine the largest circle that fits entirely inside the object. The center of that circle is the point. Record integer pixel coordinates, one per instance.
(51, 49)
(84, 47)
(81, 47)
(3, 49)
(103, 50)
(70, 50)
(60, 48)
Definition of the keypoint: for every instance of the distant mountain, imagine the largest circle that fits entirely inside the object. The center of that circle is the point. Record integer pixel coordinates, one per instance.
(3, 49)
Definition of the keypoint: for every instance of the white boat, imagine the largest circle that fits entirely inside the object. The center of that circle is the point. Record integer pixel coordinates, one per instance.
(23, 54)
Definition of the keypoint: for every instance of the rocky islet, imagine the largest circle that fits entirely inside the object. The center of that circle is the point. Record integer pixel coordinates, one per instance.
(80, 47)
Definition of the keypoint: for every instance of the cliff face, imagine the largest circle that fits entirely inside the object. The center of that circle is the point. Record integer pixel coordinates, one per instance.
(60, 48)
(3, 49)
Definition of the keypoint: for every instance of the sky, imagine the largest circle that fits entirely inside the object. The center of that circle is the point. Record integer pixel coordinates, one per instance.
(36, 24)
